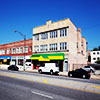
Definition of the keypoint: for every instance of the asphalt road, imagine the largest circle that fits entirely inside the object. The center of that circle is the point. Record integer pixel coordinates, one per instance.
(23, 88)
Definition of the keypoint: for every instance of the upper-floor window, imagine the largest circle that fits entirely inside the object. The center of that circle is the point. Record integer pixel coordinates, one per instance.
(30, 48)
(63, 32)
(8, 51)
(36, 48)
(63, 45)
(3, 51)
(26, 49)
(53, 47)
(0, 52)
(13, 50)
(98, 53)
(36, 37)
(53, 34)
(94, 53)
(44, 36)
(81, 43)
(94, 58)
(17, 50)
(43, 47)
(21, 49)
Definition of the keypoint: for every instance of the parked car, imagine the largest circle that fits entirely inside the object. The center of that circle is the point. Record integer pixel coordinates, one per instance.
(89, 69)
(13, 67)
(79, 73)
(49, 68)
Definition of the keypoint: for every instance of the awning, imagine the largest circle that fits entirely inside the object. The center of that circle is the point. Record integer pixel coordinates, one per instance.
(48, 57)
(5, 57)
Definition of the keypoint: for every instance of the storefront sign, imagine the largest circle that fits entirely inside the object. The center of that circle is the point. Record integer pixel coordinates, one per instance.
(48, 57)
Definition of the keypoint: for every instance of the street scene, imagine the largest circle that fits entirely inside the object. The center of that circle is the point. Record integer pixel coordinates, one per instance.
(49, 50)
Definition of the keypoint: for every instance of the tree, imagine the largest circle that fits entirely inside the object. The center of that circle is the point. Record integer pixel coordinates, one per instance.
(95, 49)
(97, 62)
(98, 47)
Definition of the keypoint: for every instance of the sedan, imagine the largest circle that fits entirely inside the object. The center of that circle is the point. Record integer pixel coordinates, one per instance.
(13, 67)
(80, 73)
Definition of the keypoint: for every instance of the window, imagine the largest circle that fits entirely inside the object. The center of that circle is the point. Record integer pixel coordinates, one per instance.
(44, 36)
(36, 37)
(63, 45)
(17, 50)
(36, 48)
(53, 34)
(3, 51)
(30, 48)
(8, 51)
(43, 48)
(98, 53)
(94, 53)
(26, 49)
(98, 58)
(13, 50)
(53, 47)
(21, 49)
(63, 33)
(81, 43)
(0, 52)
(94, 58)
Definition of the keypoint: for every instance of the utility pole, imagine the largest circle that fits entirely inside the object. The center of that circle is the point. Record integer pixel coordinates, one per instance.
(24, 36)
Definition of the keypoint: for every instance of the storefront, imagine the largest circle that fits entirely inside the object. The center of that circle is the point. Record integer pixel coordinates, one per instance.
(5, 60)
(39, 59)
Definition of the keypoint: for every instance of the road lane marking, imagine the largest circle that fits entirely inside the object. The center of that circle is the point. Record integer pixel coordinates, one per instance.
(91, 91)
(96, 87)
(45, 81)
(47, 96)
(12, 75)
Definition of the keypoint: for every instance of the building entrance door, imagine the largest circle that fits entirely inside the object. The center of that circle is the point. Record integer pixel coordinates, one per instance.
(66, 66)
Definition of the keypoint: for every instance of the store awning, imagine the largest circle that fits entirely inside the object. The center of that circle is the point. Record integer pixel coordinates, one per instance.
(5, 57)
(48, 57)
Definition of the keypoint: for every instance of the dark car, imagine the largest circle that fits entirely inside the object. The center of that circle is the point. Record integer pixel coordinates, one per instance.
(80, 73)
(13, 67)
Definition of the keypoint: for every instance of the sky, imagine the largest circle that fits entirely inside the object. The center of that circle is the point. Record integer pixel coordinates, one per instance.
(24, 15)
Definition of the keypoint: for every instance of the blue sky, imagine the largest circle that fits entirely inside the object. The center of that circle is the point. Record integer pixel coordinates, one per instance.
(24, 15)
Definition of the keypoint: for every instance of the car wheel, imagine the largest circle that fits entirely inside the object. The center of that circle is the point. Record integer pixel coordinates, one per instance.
(40, 71)
(51, 72)
(70, 75)
(84, 76)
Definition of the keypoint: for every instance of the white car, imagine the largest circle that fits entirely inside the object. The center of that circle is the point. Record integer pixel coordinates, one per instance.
(49, 67)
(89, 68)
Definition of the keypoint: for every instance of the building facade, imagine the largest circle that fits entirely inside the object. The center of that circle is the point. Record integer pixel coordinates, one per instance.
(16, 52)
(59, 42)
(95, 55)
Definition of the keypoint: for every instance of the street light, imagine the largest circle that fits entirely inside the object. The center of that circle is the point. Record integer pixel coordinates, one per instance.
(24, 36)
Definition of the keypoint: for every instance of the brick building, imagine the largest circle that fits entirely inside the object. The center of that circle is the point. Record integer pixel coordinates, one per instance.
(14, 53)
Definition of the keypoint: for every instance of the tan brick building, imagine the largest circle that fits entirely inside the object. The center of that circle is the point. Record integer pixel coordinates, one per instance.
(59, 42)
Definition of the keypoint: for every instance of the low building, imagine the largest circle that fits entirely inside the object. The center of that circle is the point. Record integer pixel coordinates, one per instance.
(95, 55)
(16, 52)
(59, 42)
